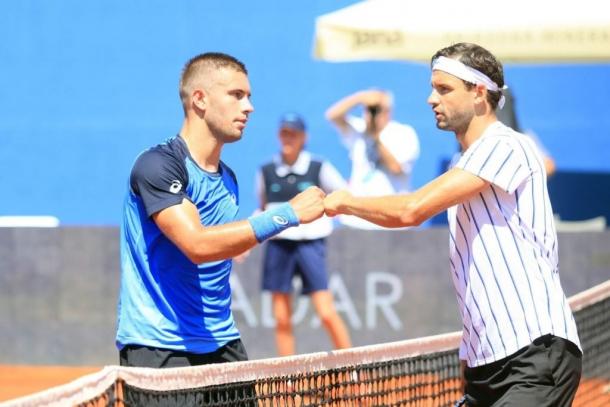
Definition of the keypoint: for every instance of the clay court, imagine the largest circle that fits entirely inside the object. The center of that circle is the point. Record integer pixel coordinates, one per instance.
(17, 381)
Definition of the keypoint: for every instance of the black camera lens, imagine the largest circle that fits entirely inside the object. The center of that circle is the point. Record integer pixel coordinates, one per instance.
(374, 109)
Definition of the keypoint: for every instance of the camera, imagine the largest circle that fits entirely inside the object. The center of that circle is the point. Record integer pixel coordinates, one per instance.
(373, 110)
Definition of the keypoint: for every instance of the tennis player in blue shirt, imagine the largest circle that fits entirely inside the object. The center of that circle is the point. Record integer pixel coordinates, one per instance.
(179, 229)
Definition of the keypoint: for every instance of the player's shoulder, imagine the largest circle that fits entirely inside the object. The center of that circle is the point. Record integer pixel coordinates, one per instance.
(508, 137)
(170, 149)
(169, 154)
(500, 139)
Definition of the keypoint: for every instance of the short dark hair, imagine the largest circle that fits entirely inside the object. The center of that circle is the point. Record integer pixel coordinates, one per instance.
(204, 62)
(479, 58)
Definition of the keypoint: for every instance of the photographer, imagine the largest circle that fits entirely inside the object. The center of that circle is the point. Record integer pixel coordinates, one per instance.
(382, 150)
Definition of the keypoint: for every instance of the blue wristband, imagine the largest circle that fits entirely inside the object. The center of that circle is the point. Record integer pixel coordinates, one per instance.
(273, 221)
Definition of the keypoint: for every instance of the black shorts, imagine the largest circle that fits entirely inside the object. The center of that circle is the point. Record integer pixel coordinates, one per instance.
(234, 394)
(145, 356)
(545, 373)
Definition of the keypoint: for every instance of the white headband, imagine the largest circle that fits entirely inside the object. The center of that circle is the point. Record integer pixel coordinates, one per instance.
(462, 71)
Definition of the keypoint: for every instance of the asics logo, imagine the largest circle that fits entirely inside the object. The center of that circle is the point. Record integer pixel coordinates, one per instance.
(280, 220)
(175, 186)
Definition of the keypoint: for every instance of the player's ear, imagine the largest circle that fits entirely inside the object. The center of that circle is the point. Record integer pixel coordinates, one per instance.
(481, 93)
(199, 99)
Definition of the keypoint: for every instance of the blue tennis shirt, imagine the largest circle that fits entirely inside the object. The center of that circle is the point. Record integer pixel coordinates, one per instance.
(166, 301)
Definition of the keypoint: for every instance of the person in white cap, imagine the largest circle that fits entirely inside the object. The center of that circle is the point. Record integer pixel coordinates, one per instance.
(520, 345)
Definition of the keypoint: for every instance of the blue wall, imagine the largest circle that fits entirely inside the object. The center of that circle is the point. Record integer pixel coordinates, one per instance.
(86, 85)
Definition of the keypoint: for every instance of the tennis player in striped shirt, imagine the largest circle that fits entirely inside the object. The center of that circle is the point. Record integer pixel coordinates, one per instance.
(519, 346)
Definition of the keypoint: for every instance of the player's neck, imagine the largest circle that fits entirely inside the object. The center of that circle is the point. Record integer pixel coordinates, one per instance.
(475, 130)
(202, 145)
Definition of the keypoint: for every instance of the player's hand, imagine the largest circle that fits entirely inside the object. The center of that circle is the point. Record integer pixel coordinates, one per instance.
(309, 204)
(334, 201)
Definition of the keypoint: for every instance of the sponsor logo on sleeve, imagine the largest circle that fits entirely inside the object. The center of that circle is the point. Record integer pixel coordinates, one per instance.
(175, 186)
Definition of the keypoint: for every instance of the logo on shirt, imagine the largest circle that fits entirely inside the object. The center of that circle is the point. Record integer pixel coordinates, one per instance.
(175, 186)
(280, 220)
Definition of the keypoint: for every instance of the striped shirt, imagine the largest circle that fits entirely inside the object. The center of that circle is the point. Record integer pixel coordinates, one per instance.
(503, 251)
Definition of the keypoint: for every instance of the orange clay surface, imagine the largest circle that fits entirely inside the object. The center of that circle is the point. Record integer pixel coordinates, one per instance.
(17, 380)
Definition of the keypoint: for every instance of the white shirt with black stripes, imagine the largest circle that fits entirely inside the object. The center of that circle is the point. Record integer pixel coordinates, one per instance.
(503, 251)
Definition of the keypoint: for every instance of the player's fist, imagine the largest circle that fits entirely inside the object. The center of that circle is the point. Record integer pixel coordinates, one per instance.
(309, 204)
(334, 202)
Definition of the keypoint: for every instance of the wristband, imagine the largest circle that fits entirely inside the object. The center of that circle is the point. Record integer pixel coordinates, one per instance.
(273, 221)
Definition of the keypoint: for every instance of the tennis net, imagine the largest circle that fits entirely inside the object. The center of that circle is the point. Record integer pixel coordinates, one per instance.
(420, 372)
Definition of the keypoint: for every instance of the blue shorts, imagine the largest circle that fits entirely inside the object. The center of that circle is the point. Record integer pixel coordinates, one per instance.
(284, 259)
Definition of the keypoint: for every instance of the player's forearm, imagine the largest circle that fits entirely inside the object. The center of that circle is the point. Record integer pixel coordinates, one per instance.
(389, 211)
(220, 242)
(182, 225)
(225, 241)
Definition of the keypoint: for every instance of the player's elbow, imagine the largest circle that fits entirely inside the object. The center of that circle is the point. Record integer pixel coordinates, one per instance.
(199, 258)
(412, 214)
(198, 254)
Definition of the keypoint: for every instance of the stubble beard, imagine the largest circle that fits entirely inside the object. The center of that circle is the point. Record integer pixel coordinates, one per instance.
(226, 134)
(232, 138)
(458, 123)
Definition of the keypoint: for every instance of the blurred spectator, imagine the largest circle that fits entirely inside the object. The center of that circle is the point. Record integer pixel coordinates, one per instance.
(302, 250)
(382, 151)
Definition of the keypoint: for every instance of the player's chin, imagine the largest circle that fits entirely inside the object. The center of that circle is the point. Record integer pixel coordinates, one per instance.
(442, 125)
(234, 136)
